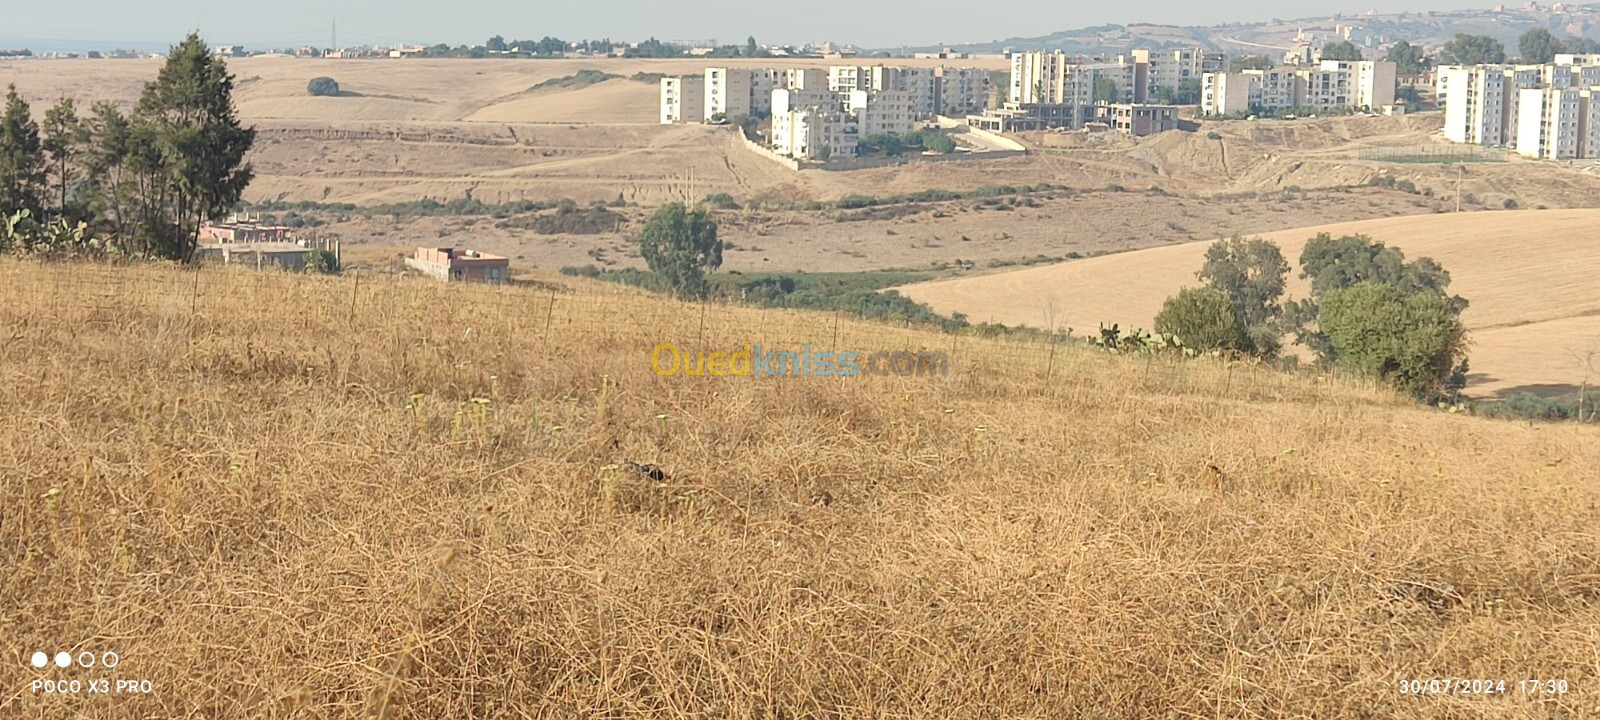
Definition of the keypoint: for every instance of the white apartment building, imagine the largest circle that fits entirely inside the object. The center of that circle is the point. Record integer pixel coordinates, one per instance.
(1550, 123)
(1326, 85)
(683, 93)
(1589, 116)
(1222, 93)
(804, 122)
(961, 91)
(805, 79)
(1541, 111)
(1475, 108)
(890, 111)
(814, 125)
(1374, 82)
(1039, 78)
(1170, 68)
(739, 91)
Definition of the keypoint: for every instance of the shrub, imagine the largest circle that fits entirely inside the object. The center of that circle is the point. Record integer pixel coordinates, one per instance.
(1526, 406)
(722, 201)
(1203, 319)
(323, 87)
(323, 261)
(1411, 339)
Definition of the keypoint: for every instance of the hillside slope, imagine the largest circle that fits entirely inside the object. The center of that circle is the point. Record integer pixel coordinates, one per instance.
(1528, 274)
(285, 496)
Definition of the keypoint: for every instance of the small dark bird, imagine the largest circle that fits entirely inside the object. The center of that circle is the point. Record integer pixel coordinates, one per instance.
(649, 471)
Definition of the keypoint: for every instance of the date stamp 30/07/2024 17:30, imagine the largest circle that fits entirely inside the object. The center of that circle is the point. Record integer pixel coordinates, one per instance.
(1532, 687)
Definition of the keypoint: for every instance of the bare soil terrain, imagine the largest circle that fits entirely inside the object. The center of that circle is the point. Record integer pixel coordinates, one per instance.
(1529, 275)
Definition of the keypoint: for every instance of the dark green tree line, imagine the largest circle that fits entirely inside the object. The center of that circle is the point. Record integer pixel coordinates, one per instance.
(143, 182)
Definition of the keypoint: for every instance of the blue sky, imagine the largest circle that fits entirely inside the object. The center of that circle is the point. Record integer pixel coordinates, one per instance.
(98, 24)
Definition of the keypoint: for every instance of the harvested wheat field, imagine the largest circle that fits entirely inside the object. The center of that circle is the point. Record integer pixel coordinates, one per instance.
(1528, 274)
(287, 496)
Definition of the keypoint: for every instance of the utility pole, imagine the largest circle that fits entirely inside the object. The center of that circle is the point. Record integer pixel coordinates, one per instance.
(1460, 170)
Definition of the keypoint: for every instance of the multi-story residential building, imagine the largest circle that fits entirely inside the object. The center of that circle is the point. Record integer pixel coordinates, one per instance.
(961, 91)
(1550, 123)
(805, 79)
(727, 92)
(1541, 111)
(1374, 82)
(732, 92)
(889, 111)
(844, 78)
(1039, 78)
(1589, 115)
(1224, 93)
(813, 125)
(1475, 108)
(1138, 120)
(683, 99)
(1171, 68)
(1325, 85)
(799, 120)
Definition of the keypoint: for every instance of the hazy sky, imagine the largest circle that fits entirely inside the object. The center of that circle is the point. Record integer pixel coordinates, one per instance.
(871, 23)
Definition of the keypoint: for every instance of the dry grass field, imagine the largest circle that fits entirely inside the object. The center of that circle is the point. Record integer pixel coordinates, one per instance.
(286, 496)
(1530, 276)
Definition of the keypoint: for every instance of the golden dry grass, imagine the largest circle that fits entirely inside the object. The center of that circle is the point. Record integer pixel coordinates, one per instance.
(282, 496)
(1529, 275)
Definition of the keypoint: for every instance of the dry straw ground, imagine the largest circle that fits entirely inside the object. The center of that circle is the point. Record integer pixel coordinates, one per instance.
(281, 496)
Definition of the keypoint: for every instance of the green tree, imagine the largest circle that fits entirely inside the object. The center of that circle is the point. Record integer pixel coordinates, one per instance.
(750, 46)
(323, 261)
(1412, 340)
(1203, 319)
(1189, 92)
(1344, 262)
(1249, 62)
(1538, 46)
(1250, 273)
(111, 189)
(939, 143)
(1408, 59)
(496, 44)
(191, 149)
(64, 136)
(1472, 50)
(1342, 50)
(680, 246)
(1105, 90)
(1334, 263)
(1582, 45)
(885, 144)
(1408, 94)
(1163, 95)
(21, 158)
(552, 46)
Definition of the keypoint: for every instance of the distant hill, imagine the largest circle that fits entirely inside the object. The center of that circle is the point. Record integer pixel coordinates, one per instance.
(1372, 30)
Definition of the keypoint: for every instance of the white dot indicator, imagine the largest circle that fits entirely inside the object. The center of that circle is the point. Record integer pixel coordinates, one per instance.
(109, 659)
(63, 660)
(40, 659)
(86, 659)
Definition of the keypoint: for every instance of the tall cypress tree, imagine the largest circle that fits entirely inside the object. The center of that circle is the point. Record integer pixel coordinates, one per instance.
(21, 161)
(195, 148)
(64, 138)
